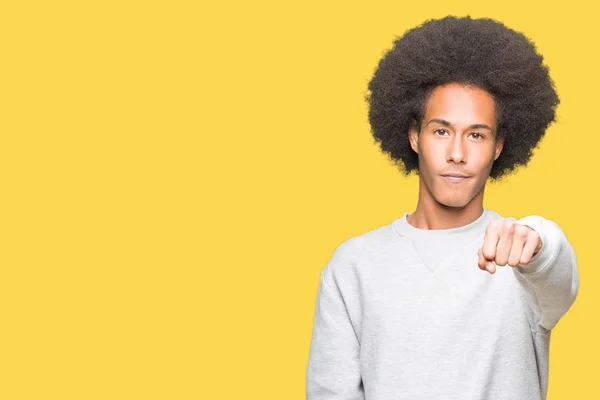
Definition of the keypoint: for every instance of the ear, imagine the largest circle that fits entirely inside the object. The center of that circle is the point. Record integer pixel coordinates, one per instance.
(413, 136)
(499, 147)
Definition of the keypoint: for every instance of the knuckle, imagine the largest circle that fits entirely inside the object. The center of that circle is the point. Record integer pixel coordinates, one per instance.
(534, 235)
(487, 252)
(522, 232)
(492, 227)
(513, 262)
(510, 226)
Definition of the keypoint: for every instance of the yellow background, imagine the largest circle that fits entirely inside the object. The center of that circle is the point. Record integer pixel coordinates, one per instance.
(175, 175)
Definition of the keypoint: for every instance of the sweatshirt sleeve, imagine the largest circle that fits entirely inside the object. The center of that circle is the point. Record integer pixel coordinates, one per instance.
(550, 281)
(334, 361)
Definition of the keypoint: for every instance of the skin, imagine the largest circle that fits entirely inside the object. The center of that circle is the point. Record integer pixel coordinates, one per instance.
(458, 134)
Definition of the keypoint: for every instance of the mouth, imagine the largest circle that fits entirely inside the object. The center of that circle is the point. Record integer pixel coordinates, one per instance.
(455, 178)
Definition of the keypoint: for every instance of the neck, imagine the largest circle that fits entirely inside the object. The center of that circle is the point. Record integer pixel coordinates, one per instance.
(431, 214)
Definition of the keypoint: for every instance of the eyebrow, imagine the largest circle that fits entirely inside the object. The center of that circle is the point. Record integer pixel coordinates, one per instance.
(446, 123)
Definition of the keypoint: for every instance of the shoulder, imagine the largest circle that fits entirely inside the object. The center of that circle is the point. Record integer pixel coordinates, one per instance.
(494, 215)
(352, 252)
(531, 220)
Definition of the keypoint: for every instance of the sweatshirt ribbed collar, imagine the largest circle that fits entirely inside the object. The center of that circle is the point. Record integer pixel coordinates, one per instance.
(444, 238)
(438, 247)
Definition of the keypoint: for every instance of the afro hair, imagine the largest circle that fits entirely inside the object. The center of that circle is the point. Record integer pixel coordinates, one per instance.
(478, 52)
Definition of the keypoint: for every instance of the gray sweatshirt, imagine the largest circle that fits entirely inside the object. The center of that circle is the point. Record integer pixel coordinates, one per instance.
(406, 313)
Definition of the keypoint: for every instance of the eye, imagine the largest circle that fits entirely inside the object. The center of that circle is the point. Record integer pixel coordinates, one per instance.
(479, 135)
(440, 130)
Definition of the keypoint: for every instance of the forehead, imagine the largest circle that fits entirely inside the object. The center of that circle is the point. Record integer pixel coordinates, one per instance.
(461, 104)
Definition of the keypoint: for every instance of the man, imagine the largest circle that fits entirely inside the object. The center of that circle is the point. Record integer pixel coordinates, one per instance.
(451, 301)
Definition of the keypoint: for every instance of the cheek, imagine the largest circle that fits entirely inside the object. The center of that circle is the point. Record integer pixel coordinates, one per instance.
(486, 160)
(433, 157)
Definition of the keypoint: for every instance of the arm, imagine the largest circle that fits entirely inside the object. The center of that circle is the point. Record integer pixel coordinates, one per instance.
(334, 361)
(550, 281)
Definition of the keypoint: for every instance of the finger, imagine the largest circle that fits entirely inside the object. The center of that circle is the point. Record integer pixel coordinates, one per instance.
(481, 262)
(484, 264)
(490, 241)
(504, 244)
(533, 240)
(518, 243)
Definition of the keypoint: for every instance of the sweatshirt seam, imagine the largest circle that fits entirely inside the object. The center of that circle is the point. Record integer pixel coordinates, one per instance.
(525, 274)
(532, 323)
(351, 261)
(347, 314)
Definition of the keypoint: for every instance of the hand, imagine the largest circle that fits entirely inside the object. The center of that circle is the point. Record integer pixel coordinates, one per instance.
(507, 242)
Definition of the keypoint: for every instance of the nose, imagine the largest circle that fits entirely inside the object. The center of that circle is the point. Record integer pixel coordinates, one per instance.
(456, 150)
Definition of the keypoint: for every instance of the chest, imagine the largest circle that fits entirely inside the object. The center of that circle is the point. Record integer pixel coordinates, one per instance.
(456, 304)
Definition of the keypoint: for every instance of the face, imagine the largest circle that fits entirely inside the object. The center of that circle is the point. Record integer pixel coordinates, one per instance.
(457, 137)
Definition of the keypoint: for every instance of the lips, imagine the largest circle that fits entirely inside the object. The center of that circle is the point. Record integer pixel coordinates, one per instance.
(455, 177)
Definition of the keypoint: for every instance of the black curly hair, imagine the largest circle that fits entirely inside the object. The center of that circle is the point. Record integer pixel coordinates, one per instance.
(479, 52)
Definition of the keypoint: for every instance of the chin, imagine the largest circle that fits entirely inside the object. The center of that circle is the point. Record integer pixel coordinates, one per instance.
(453, 203)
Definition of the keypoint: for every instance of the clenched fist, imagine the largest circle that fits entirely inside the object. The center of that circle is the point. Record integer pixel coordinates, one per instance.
(507, 242)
